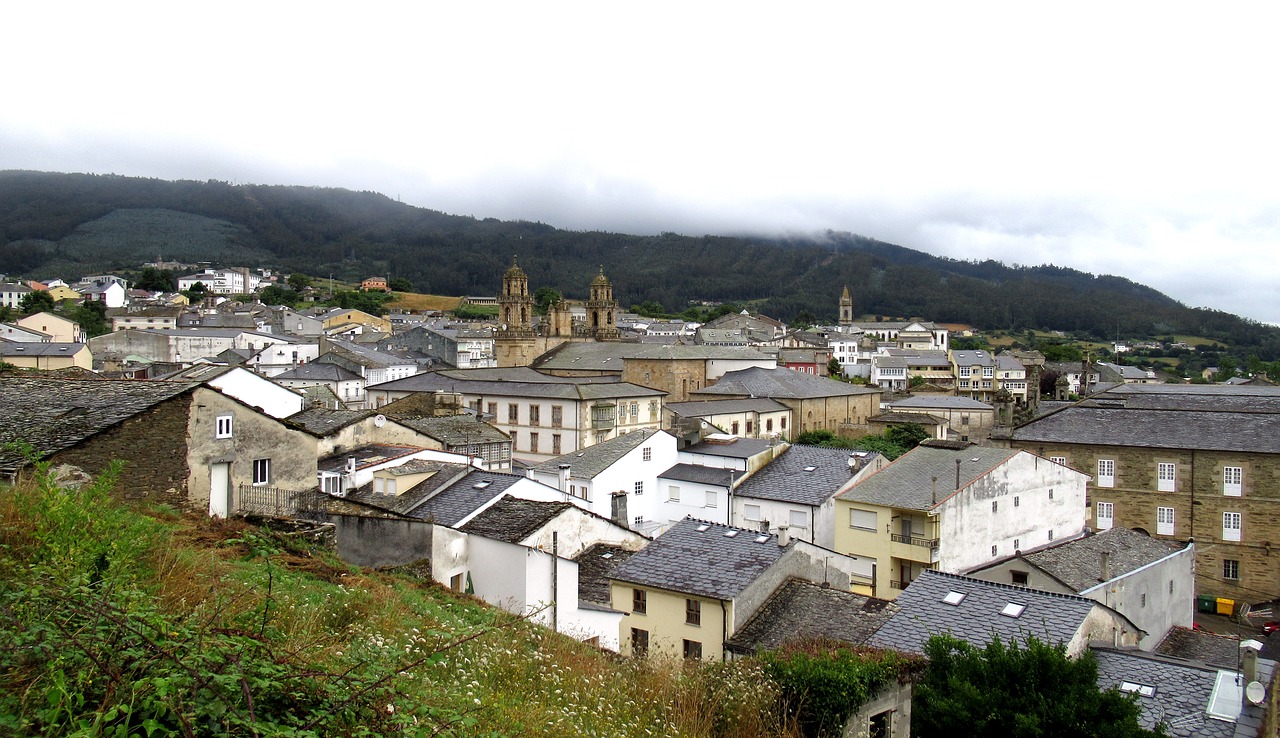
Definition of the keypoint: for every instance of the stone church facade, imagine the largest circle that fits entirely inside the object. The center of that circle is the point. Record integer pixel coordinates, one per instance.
(518, 341)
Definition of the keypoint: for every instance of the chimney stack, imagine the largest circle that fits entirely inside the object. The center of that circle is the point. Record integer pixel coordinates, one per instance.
(564, 477)
(784, 536)
(1105, 565)
(351, 465)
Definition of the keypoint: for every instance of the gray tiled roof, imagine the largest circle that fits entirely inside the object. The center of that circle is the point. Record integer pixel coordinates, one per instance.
(595, 565)
(906, 417)
(701, 562)
(1182, 693)
(943, 402)
(700, 474)
(319, 372)
(366, 356)
(801, 610)
(368, 455)
(1209, 397)
(593, 460)
(512, 519)
(54, 414)
(973, 358)
(908, 481)
(16, 348)
(410, 502)
(1077, 563)
(322, 421)
(462, 498)
(567, 388)
(738, 448)
(611, 356)
(707, 408)
(805, 475)
(1200, 645)
(1050, 617)
(1245, 432)
(780, 383)
(455, 430)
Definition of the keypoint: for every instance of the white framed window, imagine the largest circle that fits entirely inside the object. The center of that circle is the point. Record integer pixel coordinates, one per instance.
(862, 519)
(1106, 472)
(1165, 476)
(1232, 481)
(673, 493)
(1164, 521)
(647, 453)
(713, 500)
(262, 471)
(223, 426)
(1058, 460)
(1231, 524)
(798, 518)
(751, 513)
(1106, 514)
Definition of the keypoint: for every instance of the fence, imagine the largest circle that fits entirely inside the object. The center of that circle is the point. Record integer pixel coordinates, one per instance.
(274, 502)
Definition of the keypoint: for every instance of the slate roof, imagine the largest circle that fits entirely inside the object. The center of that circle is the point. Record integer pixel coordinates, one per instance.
(1054, 618)
(567, 388)
(593, 460)
(1077, 563)
(908, 481)
(369, 455)
(55, 414)
(708, 475)
(595, 565)
(1243, 432)
(702, 562)
(706, 408)
(323, 421)
(455, 430)
(947, 402)
(319, 372)
(781, 383)
(512, 519)
(738, 448)
(972, 358)
(453, 504)
(1199, 645)
(1222, 398)
(801, 610)
(611, 356)
(1182, 693)
(410, 502)
(31, 348)
(366, 356)
(804, 475)
(920, 418)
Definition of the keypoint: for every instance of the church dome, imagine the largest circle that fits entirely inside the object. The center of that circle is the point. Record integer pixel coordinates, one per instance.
(600, 280)
(514, 270)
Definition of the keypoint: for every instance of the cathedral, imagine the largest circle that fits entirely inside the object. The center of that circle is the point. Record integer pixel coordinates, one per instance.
(518, 341)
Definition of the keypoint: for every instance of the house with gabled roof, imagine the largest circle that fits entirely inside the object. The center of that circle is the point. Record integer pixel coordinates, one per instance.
(967, 419)
(954, 507)
(1150, 581)
(346, 385)
(53, 356)
(250, 388)
(58, 328)
(616, 479)
(464, 434)
(18, 334)
(976, 611)
(688, 592)
(757, 417)
(817, 403)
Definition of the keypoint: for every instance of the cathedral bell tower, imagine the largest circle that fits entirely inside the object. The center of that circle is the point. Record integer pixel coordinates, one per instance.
(515, 342)
(602, 310)
(846, 308)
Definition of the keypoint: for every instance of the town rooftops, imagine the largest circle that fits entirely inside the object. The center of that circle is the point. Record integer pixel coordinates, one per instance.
(593, 460)
(319, 372)
(370, 455)
(710, 475)
(595, 565)
(909, 482)
(973, 358)
(1100, 425)
(512, 519)
(702, 558)
(1077, 563)
(566, 388)
(364, 355)
(780, 384)
(33, 348)
(455, 430)
(1189, 644)
(321, 421)
(731, 446)
(977, 611)
(448, 497)
(800, 610)
(804, 475)
(611, 356)
(707, 408)
(938, 402)
(55, 414)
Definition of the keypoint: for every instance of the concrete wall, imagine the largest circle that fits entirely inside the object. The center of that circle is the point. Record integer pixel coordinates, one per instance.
(380, 542)
(1156, 597)
(894, 698)
(577, 530)
(693, 502)
(366, 431)
(1102, 625)
(803, 561)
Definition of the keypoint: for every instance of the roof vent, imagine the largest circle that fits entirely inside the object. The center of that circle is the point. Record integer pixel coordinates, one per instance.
(730, 533)
(953, 598)
(703, 528)
(1012, 610)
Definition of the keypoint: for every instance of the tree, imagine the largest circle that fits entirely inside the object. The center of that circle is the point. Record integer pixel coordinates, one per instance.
(906, 435)
(277, 295)
(156, 280)
(299, 281)
(197, 291)
(399, 284)
(36, 301)
(91, 316)
(834, 368)
(1016, 691)
(544, 298)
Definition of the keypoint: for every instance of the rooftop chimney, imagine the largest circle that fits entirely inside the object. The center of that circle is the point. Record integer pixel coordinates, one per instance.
(1105, 566)
(351, 465)
(784, 536)
(564, 477)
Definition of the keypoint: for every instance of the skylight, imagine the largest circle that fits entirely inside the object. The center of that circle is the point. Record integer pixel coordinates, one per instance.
(953, 598)
(810, 468)
(703, 528)
(1013, 610)
(1140, 689)
(730, 533)
(762, 539)
(483, 484)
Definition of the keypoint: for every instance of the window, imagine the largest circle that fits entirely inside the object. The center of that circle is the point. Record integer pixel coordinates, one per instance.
(713, 500)
(639, 601)
(1143, 600)
(966, 371)
(964, 420)
(751, 513)
(515, 440)
(1015, 501)
(1051, 493)
(457, 582)
(1058, 460)
(557, 416)
(799, 519)
(673, 493)
(639, 642)
(1106, 514)
(881, 725)
(692, 649)
(1051, 534)
(1232, 478)
(783, 422)
(223, 426)
(862, 519)
(555, 443)
(635, 411)
(647, 454)
(993, 550)
(995, 506)
(513, 413)
(1231, 526)
(1231, 569)
(262, 472)
(748, 427)
(1165, 476)
(734, 429)
(1019, 578)
(637, 521)
(639, 488)
(535, 415)
(1164, 521)
(1106, 473)
(493, 409)
(653, 410)
(533, 443)
(1017, 545)
(692, 612)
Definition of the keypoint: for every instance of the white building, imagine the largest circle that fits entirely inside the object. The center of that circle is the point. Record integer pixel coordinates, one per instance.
(223, 281)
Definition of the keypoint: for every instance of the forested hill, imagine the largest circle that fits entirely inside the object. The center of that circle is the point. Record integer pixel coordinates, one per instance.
(72, 224)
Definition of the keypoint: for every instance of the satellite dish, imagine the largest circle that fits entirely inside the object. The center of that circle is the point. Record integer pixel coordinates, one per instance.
(1255, 693)
(379, 420)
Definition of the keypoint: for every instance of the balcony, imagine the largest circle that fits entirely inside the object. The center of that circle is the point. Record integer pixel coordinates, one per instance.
(911, 548)
(604, 417)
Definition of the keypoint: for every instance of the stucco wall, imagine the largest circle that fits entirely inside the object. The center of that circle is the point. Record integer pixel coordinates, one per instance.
(378, 542)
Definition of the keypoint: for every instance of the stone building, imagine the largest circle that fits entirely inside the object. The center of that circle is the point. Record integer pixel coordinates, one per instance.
(816, 403)
(518, 342)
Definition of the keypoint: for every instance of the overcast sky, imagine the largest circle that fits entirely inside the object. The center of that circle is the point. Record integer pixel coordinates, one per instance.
(1119, 138)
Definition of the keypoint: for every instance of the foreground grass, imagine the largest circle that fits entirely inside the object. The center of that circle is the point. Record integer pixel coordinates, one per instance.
(118, 621)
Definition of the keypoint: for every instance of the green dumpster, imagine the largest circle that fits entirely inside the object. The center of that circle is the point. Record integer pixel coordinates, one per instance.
(1206, 604)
